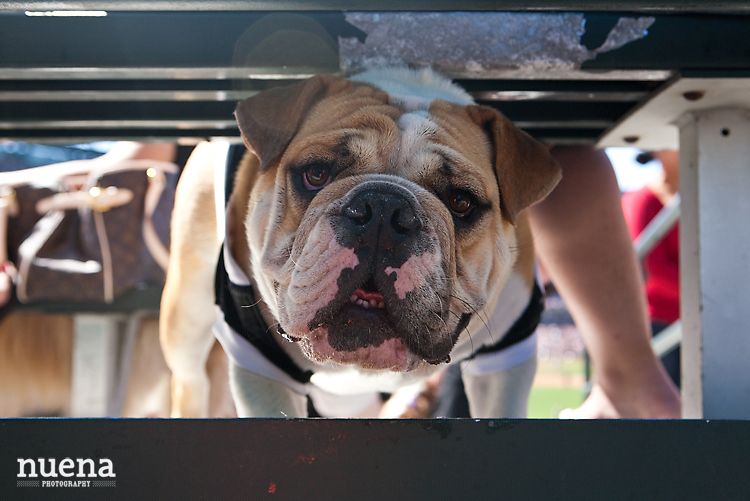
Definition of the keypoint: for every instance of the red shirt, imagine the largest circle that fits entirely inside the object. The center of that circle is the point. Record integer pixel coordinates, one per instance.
(662, 264)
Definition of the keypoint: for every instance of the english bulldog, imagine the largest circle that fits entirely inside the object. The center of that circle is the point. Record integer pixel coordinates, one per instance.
(374, 234)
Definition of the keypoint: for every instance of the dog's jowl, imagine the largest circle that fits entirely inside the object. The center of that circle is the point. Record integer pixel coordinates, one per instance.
(373, 235)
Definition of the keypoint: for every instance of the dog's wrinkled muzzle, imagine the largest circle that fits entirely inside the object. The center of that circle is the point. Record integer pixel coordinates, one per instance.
(386, 305)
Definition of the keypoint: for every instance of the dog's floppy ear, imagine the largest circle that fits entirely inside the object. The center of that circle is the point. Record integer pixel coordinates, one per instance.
(269, 120)
(525, 169)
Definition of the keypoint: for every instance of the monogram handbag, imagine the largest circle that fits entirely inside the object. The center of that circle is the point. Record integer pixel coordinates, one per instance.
(86, 231)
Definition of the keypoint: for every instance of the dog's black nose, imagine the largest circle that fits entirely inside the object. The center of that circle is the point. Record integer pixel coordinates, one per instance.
(381, 218)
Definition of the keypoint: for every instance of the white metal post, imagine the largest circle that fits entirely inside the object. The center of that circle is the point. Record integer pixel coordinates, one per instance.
(715, 263)
(95, 354)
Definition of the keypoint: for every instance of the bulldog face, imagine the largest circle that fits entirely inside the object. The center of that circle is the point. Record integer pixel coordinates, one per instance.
(378, 228)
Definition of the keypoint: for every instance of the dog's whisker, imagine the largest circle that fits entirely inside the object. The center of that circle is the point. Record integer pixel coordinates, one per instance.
(471, 341)
(479, 315)
(441, 319)
(251, 305)
(521, 247)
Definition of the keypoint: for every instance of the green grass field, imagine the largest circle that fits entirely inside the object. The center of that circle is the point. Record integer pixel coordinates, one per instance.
(546, 403)
(560, 385)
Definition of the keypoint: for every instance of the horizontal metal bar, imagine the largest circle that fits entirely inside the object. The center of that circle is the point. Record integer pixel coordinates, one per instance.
(573, 74)
(117, 124)
(523, 111)
(526, 95)
(566, 136)
(231, 124)
(668, 339)
(564, 141)
(382, 5)
(125, 95)
(658, 227)
(230, 73)
(206, 73)
(477, 86)
(563, 124)
(221, 95)
(189, 137)
(185, 140)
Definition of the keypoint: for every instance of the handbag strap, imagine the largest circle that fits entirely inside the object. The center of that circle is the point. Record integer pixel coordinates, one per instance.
(8, 207)
(157, 184)
(31, 246)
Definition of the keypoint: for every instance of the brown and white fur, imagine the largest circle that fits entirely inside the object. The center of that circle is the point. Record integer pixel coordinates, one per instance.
(375, 216)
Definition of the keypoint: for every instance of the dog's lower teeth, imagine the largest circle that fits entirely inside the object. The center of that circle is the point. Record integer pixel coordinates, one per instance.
(372, 303)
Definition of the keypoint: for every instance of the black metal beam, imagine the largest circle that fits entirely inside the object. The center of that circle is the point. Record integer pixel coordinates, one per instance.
(382, 459)
(169, 40)
(678, 42)
(664, 6)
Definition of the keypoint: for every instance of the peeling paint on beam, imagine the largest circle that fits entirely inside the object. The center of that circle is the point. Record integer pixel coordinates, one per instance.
(465, 44)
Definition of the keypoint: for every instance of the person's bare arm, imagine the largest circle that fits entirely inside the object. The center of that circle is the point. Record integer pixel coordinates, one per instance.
(126, 150)
(581, 238)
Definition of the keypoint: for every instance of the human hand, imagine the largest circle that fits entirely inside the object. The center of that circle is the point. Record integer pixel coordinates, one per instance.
(664, 403)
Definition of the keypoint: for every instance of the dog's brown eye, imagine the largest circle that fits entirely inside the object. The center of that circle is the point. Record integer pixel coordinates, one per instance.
(461, 203)
(316, 177)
